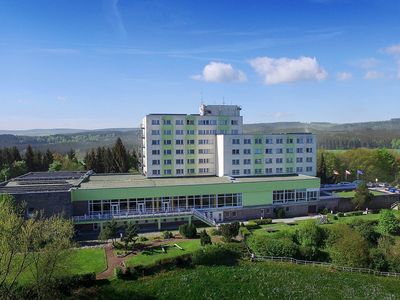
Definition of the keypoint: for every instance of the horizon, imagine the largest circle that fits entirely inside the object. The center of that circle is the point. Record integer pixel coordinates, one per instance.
(102, 64)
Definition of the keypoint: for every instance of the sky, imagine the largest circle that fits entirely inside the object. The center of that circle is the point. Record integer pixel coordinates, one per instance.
(105, 64)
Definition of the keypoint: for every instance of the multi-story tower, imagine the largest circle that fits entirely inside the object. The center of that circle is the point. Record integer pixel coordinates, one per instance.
(212, 143)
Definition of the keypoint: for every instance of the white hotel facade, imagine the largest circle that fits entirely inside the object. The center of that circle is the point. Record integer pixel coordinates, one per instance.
(212, 143)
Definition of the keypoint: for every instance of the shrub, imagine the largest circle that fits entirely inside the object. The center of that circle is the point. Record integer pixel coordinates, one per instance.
(74, 281)
(367, 230)
(142, 239)
(205, 239)
(119, 273)
(188, 231)
(215, 231)
(280, 213)
(270, 246)
(251, 225)
(167, 235)
(262, 221)
(340, 214)
(244, 232)
(335, 217)
(311, 238)
(213, 255)
(324, 211)
(230, 231)
(378, 260)
(162, 265)
(388, 223)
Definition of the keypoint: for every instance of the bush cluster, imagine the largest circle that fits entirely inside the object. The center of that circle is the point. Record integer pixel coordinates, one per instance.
(188, 231)
(262, 221)
(167, 235)
(214, 255)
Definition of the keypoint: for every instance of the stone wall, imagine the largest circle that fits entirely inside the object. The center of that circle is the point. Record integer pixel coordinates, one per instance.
(379, 202)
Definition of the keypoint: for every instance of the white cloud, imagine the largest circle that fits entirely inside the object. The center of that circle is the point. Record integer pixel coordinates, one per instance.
(283, 70)
(61, 98)
(372, 75)
(393, 49)
(220, 72)
(342, 76)
(367, 63)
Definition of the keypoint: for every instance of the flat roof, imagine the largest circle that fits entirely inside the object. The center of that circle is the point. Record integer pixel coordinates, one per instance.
(105, 181)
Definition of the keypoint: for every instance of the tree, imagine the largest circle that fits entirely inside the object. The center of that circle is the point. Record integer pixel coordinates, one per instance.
(188, 231)
(109, 231)
(362, 197)
(30, 159)
(311, 238)
(18, 168)
(388, 223)
(205, 239)
(47, 159)
(121, 158)
(131, 233)
(230, 231)
(350, 250)
(322, 169)
(16, 237)
(52, 245)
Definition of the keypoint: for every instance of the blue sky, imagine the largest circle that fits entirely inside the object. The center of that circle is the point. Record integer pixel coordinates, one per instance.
(98, 64)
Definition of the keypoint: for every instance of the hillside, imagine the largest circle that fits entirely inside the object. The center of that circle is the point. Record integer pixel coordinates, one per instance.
(330, 135)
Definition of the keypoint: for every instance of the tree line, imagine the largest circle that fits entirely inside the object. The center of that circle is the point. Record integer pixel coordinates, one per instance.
(118, 159)
(381, 164)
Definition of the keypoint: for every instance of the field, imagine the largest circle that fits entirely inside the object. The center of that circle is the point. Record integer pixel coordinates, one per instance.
(156, 253)
(351, 194)
(254, 281)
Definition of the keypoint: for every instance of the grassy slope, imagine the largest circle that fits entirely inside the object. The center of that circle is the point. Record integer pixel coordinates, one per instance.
(352, 194)
(81, 261)
(255, 281)
(150, 257)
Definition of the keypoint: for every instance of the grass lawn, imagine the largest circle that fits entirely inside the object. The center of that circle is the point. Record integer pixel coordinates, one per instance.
(149, 257)
(81, 261)
(266, 280)
(351, 194)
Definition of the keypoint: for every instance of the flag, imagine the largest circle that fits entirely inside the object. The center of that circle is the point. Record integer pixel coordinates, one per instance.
(360, 172)
(336, 173)
(348, 172)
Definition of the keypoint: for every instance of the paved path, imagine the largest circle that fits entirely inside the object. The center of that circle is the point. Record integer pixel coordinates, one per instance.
(292, 220)
(114, 261)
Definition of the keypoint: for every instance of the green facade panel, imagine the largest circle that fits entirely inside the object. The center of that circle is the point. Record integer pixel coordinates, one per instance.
(254, 193)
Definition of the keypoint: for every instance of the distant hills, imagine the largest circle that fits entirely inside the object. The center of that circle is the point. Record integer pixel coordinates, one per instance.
(330, 135)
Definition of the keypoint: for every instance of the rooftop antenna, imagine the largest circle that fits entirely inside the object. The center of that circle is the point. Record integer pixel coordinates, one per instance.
(223, 100)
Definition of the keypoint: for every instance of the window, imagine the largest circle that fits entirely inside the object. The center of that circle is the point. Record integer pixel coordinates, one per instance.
(269, 141)
(290, 195)
(190, 142)
(268, 171)
(268, 151)
(299, 160)
(258, 161)
(189, 122)
(258, 151)
(190, 132)
(278, 196)
(247, 151)
(235, 162)
(289, 170)
(309, 150)
(309, 159)
(289, 150)
(257, 171)
(167, 122)
(204, 160)
(279, 150)
(234, 122)
(155, 162)
(299, 169)
(223, 122)
(178, 122)
(309, 169)
(300, 140)
(179, 132)
(179, 161)
(179, 171)
(235, 151)
(167, 151)
(190, 151)
(167, 162)
(156, 172)
(179, 151)
(203, 170)
(155, 132)
(310, 140)
(289, 141)
(167, 132)
(235, 172)
(299, 150)
(168, 172)
(312, 195)
(155, 152)
(247, 171)
(167, 142)
(204, 151)
(155, 142)
(289, 160)
(235, 141)
(204, 142)
(279, 160)
(247, 141)
(190, 171)
(247, 161)
(258, 141)
(155, 122)
(234, 131)
(190, 161)
(178, 142)
(279, 141)
(279, 170)
(301, 195)
(268, 161)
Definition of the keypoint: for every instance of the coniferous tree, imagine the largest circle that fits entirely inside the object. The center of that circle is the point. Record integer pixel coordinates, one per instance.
(47, 159)
(30, 159)
(108, 161)
(121, 159)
